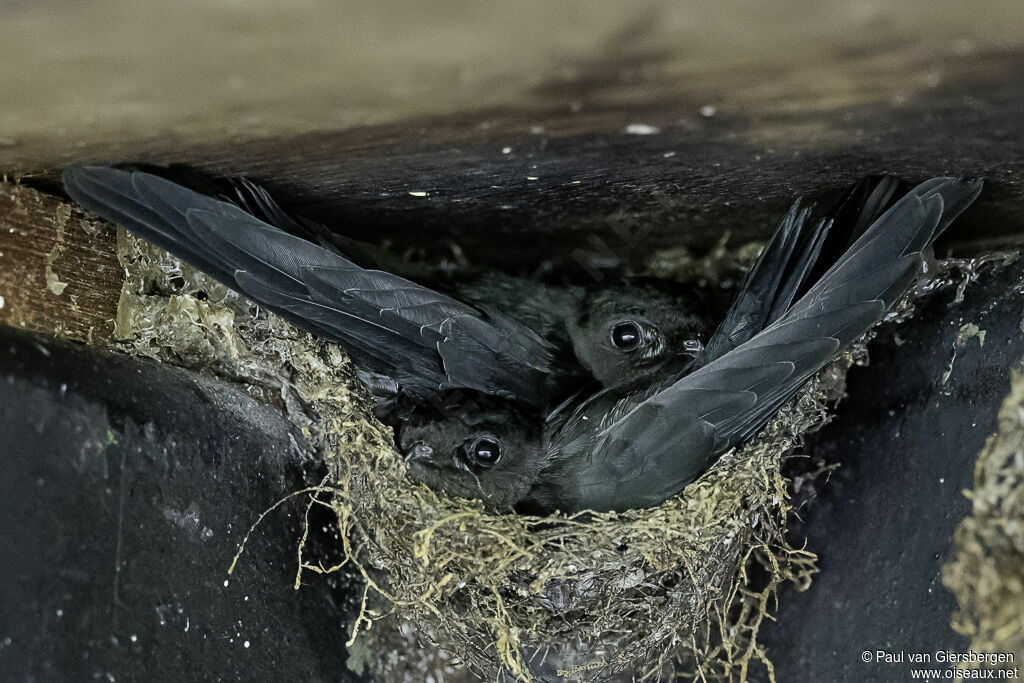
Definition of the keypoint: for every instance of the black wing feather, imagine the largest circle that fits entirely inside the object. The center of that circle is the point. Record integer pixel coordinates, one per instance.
(797, 256)
(767, 289)
(425, 340)
(856, 209)
(649, 447)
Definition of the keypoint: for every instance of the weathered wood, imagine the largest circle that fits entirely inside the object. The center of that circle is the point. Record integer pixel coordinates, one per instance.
(59, 272)
(596, 190)
(550, 171)
(581, 163)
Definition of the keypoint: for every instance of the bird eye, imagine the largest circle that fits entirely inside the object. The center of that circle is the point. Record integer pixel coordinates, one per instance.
(486, 451)
(626, 336)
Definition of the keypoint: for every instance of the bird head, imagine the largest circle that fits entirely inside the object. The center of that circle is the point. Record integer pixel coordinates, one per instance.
(639, 330)
(473, 448)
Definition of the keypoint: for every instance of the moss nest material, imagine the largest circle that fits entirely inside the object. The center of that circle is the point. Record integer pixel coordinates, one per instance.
(593, 594)
(987, 571)
(587, 596)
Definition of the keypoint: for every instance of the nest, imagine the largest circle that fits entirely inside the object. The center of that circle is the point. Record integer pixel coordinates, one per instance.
(587, 596)
(987, 572)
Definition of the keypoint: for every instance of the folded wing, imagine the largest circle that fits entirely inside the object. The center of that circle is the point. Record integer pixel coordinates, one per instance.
(425, 340)
(796, 256)
(767, 289)
(646, 449)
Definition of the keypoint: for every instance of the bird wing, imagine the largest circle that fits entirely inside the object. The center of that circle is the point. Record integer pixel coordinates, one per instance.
(796, 256)
(767, 289)
(425, 340)
(856, 209)
(648, 447)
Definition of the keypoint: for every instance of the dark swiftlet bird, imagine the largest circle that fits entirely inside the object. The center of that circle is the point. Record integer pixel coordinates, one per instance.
(487, 355)
(617, 451)
(628, 331)
(468, 377)
(635, 447)
(796, 255)
(424, 341)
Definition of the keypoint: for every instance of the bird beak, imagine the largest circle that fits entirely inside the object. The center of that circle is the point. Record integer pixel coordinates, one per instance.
(692, 347)
(419, 451)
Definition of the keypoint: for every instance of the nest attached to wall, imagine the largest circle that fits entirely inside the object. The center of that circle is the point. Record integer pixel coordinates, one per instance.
(987, 571)
(587, 596)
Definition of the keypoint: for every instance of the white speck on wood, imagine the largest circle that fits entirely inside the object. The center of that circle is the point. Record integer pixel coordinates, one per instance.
(642, 129)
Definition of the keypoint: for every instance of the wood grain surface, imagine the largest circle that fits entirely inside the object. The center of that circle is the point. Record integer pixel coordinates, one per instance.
(59, 272)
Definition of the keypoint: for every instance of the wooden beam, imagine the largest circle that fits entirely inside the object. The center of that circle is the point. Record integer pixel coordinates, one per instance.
(59, 272)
